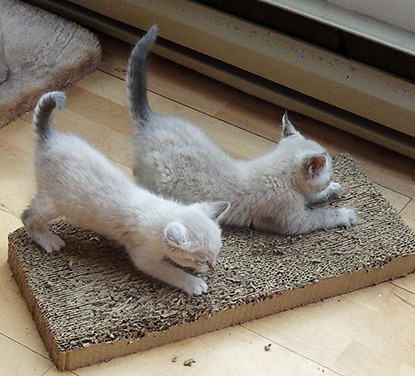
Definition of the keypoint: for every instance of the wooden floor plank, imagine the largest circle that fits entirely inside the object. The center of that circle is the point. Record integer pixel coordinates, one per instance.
(368, 332)
(8, 223)
(398, 200)
(236, 141)
(17, 360)
(53, 371)
(16, 171)
(169, 79)
(407, 283)
(16, 321)
(231, 351)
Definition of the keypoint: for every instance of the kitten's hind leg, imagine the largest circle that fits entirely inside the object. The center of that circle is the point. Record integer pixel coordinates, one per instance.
(35, 219)
(321, 219)
(332, 189)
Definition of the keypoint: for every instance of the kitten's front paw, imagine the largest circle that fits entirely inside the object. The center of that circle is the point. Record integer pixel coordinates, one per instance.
(347, 217)
(194, 286)
(334, 188)
(49, 241)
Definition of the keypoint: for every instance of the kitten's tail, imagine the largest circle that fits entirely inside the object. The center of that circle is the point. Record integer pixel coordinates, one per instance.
(136, 76)
(42, 121)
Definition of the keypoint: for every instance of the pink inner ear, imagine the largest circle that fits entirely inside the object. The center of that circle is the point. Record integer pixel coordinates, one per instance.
(316, 162)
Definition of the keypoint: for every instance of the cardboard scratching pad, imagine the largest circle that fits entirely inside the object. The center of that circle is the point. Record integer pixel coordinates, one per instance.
(90, 304)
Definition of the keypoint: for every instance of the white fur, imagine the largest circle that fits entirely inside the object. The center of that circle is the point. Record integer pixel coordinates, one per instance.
(272, 192)
(77, 181)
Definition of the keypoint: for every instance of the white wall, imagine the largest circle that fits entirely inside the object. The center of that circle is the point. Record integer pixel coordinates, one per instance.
(400, 13)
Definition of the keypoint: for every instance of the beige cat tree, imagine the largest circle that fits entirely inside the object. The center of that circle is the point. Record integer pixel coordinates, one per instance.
(3, 65)
(57, 53)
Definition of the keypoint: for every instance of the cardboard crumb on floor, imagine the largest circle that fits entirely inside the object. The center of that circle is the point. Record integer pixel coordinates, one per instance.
(188, 362)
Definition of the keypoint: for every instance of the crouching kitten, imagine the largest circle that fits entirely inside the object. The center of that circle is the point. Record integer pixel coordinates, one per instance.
(272, 192)
(77, 181)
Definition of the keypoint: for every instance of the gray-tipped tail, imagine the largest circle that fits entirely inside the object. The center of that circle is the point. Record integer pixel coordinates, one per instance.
(136, 76)
(42, 116)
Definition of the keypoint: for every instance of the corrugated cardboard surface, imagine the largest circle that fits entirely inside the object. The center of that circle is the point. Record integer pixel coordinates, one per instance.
(90, 304)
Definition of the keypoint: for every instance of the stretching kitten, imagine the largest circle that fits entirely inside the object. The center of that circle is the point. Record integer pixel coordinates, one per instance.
(76, 181)
(271, 192)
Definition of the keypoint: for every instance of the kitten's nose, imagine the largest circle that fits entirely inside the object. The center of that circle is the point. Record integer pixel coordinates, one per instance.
(211, 264)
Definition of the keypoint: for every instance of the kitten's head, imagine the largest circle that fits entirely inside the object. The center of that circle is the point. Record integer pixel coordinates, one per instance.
(194, 239)
(312, 165)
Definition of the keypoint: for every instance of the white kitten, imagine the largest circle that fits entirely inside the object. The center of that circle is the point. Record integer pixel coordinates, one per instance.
(77, 181)
(272, 192)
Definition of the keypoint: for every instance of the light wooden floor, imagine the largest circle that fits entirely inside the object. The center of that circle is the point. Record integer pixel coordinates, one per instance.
(368, 332)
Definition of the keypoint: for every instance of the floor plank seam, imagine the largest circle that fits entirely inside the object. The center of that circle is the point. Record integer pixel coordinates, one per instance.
(394, 190)
(25, 346)
(291, 350)
(404, 301)
(411, 199)
(52, 366)
(7, 212)
(403, 288)
(44, 373)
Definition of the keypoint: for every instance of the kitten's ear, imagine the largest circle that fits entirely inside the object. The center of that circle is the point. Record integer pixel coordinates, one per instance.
(214, 210)
(315, 163)
(287, 127)
(176, 234)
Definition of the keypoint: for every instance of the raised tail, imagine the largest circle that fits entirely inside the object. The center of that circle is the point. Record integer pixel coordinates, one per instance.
(136, 76)
(42, 121)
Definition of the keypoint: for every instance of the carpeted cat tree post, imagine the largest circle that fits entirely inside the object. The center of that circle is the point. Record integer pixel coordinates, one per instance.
(3, 65)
